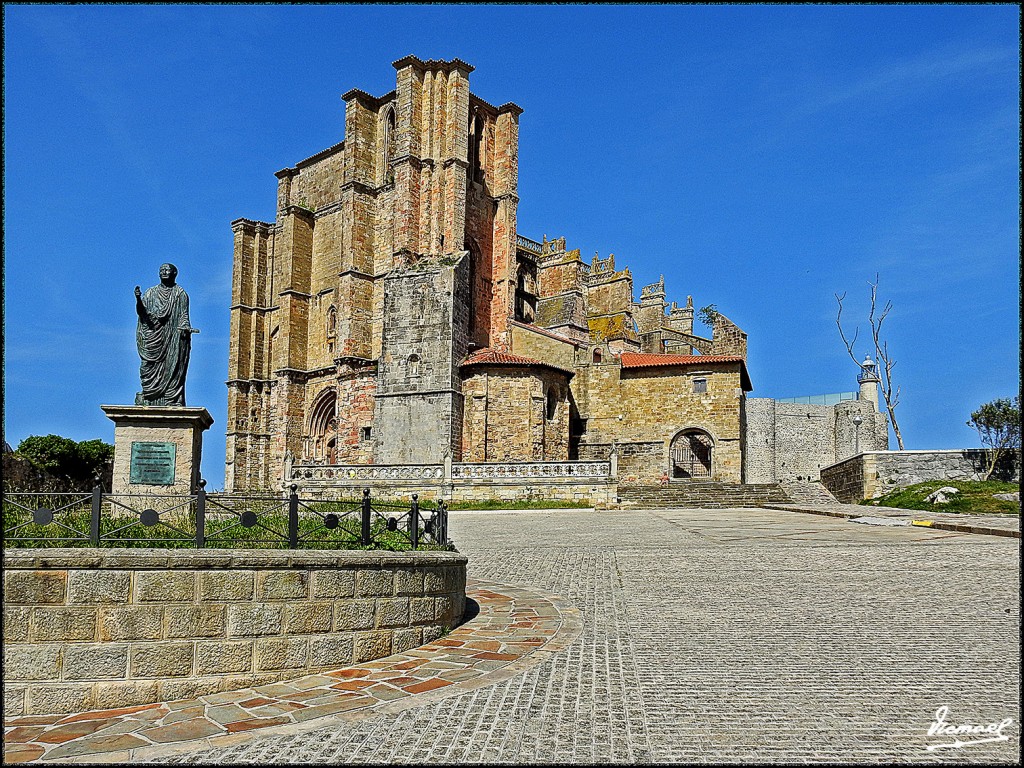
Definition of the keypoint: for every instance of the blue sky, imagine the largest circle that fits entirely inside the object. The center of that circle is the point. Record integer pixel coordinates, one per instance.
(762, 158)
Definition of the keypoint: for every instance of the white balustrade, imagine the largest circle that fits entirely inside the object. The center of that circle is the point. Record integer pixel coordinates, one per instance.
(460, 471)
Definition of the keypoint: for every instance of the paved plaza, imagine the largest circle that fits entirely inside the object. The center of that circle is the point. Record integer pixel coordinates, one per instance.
(746, 635)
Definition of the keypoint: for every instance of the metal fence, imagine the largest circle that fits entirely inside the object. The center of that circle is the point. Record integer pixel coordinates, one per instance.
(204, 520)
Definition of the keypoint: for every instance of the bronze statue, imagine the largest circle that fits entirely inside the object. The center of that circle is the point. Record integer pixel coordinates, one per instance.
(164, 336)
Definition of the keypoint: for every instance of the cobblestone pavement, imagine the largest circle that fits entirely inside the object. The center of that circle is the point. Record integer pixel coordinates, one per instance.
(716, 636)
(992, 525)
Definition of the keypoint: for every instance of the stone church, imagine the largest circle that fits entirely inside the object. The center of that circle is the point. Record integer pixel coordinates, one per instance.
(392, 314)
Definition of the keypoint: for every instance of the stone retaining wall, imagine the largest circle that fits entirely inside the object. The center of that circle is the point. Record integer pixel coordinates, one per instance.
(99, 628)
(876, 473)
(593, 481)
(845, 479)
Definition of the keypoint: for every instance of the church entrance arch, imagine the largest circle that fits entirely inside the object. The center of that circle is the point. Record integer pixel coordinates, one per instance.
(691, 455)
(321, 440)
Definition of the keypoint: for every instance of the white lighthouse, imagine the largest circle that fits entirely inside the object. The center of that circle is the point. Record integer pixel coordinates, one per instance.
(868, 378)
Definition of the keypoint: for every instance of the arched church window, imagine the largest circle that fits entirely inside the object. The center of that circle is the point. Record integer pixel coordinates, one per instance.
(414, 365)
(388, 145)
(271, 342)
(474, 267)
(332, 322)
(476, 142)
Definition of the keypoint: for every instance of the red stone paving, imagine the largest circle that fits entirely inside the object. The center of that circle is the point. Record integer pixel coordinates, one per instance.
(256, 722)
(348, 673)
(107, 713)
(410, 664)
(21, 753)
(97, 745)
(62, 733)
(352, 685)
(34, 720)
(511, 624)
(400, 680)
(496, 656)
(249, 704)
(427, 685)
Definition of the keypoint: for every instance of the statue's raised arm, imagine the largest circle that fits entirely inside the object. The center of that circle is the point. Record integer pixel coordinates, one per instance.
(164, 337)
(140, 308)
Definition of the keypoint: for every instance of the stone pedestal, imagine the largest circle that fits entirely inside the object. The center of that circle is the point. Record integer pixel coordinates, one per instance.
(157, 449)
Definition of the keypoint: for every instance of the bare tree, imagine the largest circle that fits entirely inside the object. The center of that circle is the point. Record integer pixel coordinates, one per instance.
(890, 395)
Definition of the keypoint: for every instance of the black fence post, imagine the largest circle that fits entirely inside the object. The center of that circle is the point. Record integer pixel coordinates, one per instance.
(97, 509)
(414, 521)
(293, 518)
(442, 519)
(201, 515)
(365, 533)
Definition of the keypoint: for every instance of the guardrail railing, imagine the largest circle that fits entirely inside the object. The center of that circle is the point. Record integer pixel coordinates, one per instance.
(204, 520)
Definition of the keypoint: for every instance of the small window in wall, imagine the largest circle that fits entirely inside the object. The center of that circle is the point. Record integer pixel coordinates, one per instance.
(597, 355)
(414, 365)
(365, 433)
(331, 327)
(700, 385)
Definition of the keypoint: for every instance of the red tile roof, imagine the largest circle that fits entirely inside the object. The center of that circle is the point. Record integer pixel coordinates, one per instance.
(490, 356)
(643, 360)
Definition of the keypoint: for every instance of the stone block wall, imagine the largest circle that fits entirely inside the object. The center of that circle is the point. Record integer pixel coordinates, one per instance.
(418, 406)
(515, 414)
(638, 461)
(876, 473)
(794, 441)
(101, 628)
(845, 479)
(654, 405)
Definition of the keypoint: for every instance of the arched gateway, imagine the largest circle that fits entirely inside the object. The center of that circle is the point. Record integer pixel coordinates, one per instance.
(691, 453)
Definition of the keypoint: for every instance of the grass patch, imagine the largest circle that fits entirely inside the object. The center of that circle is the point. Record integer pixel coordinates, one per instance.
(975, 497)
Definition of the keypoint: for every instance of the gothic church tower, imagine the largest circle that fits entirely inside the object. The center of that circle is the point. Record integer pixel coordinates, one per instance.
(392, 255)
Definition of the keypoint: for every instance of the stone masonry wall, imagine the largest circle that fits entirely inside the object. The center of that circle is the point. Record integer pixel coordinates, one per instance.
(507, 414)
(653, 405)
(794, 441)
(100, 628)
(418, 406)
(845, 479)
(876, 473)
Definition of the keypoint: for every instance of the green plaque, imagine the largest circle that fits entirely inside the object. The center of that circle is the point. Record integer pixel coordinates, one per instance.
(152, 464)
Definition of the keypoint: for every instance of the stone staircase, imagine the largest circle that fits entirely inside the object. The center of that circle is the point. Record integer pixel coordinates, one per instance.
(697, 493)
(808, 493)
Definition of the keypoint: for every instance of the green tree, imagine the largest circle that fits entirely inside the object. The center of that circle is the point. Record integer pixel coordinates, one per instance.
(708, 315)
(998, 425)
(63, 457)
(95, 454)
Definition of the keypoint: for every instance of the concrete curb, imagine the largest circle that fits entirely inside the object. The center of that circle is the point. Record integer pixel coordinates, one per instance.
(933, 524)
